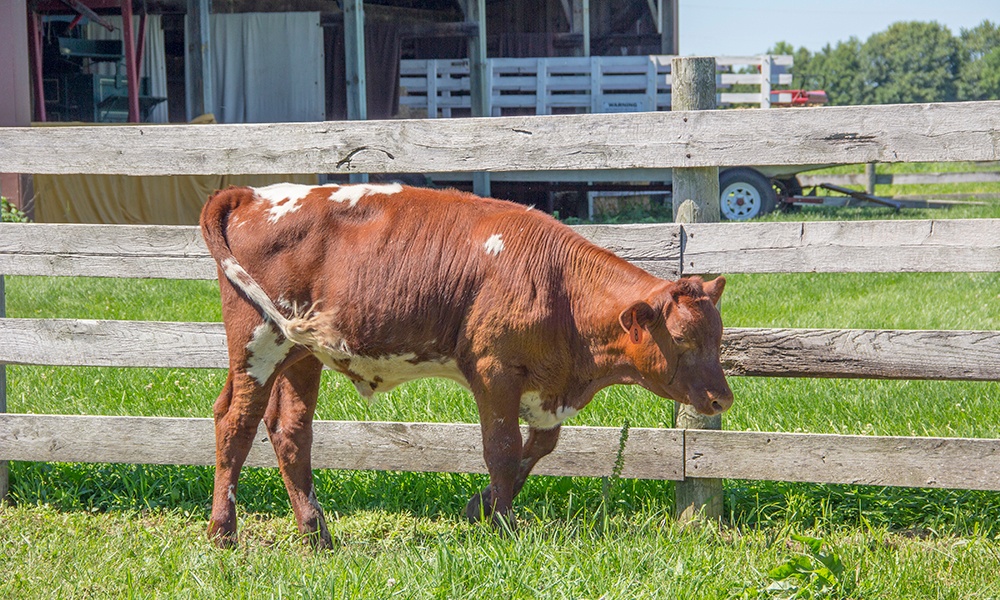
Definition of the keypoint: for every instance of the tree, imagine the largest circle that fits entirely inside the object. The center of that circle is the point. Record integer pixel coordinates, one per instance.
(837, 70)
(911, 62)
(980, 69)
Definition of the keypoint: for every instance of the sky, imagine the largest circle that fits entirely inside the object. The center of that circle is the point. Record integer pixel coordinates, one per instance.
(749, 27)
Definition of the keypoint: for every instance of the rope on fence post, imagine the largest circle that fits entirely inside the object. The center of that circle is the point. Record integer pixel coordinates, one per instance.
(695, 200)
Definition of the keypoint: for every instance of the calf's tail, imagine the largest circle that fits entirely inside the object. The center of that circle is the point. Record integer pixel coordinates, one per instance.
(214, 221)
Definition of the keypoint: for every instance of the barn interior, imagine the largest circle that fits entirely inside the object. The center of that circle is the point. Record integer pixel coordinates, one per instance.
(86, 68)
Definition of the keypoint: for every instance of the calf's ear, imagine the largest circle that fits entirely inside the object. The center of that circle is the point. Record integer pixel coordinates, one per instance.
(714, 289)
(635, 319)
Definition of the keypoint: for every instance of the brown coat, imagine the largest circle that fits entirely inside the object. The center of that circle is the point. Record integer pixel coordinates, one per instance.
(387, 283)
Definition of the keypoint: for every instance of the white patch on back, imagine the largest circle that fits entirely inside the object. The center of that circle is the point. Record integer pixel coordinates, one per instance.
(536, 416)
(494, 245)
(285, 197)
(267, 351)
(353, 193)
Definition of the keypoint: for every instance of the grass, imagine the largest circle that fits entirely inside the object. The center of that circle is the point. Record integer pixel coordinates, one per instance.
(137, 530)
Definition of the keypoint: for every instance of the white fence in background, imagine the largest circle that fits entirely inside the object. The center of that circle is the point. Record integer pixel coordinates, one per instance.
(594, 84)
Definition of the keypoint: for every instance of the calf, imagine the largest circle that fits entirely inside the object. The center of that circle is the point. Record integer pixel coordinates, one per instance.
(386, 284)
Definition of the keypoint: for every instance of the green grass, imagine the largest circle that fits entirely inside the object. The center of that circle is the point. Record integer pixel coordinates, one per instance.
(384, 554)
(136, 530)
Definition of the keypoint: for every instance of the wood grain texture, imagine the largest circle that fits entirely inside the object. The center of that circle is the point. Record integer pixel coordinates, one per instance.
(89, 343)
(140, 251)
(953, 131)
(859, 353)
(960, 463)
(423, 447)
(653, 247)
(845, 353)
(960, 245)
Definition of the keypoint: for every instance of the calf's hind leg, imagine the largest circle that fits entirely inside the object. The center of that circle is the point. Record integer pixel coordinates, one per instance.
(289, 420)
(238, 411)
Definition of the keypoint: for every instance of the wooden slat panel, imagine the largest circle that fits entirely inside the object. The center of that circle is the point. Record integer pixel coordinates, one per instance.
(142, 251)
(793, 136)
(843, 247)
(425, 447)
(865, 460)
(958, 355)
(856, 353)
(87, 343)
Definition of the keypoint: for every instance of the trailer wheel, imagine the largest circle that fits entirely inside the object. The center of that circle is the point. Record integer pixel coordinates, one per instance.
(745, 194)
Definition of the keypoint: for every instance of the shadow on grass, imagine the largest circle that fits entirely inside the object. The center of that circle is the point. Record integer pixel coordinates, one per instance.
(442, 496)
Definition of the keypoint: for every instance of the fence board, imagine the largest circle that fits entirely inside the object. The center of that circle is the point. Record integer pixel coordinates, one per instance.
(970, 245)
(89, 343)
(424, 447)
(960, 463)
(829, 135)
(847, 353)
(141, 251)
(857, 353)
(960, 245)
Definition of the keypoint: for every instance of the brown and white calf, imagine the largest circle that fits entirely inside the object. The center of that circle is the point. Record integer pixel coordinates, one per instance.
(387, 283)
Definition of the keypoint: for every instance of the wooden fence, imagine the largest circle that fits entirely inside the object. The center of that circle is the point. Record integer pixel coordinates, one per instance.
(596, 84)
(930, 132)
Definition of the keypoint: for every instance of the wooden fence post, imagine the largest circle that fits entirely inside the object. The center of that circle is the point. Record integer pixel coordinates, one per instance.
(695, 200)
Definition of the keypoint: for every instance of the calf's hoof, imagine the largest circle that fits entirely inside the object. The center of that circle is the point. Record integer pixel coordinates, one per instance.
(480, 508)
(221, 538)
(319, 540)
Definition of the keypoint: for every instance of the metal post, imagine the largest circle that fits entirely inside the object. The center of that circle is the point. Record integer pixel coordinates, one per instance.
(354, 56)
(15, 81)
(4, 468)
(479, 79)
(668, 27)
(581, 23)
(131, 72)
(696, 200)
(200, 89)
(870, 178)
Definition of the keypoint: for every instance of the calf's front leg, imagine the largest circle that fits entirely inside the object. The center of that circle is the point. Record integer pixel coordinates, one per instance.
(498, 401)
(540, 443)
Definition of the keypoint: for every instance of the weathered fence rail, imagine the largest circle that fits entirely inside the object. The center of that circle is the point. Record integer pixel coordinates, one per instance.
(963, 131)
(936, 132)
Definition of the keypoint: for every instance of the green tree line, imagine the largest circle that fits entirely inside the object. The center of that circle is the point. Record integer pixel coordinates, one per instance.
(908, 62)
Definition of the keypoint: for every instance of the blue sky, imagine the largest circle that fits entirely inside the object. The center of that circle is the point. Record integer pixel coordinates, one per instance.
(735, 27)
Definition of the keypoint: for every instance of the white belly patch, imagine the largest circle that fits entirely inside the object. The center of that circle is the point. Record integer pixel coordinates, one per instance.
(376, 375)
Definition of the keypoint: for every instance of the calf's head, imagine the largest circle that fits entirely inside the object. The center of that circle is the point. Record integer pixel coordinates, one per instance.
(674, 339)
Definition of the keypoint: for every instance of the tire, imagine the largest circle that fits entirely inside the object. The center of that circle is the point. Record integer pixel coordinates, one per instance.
(745, 194)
